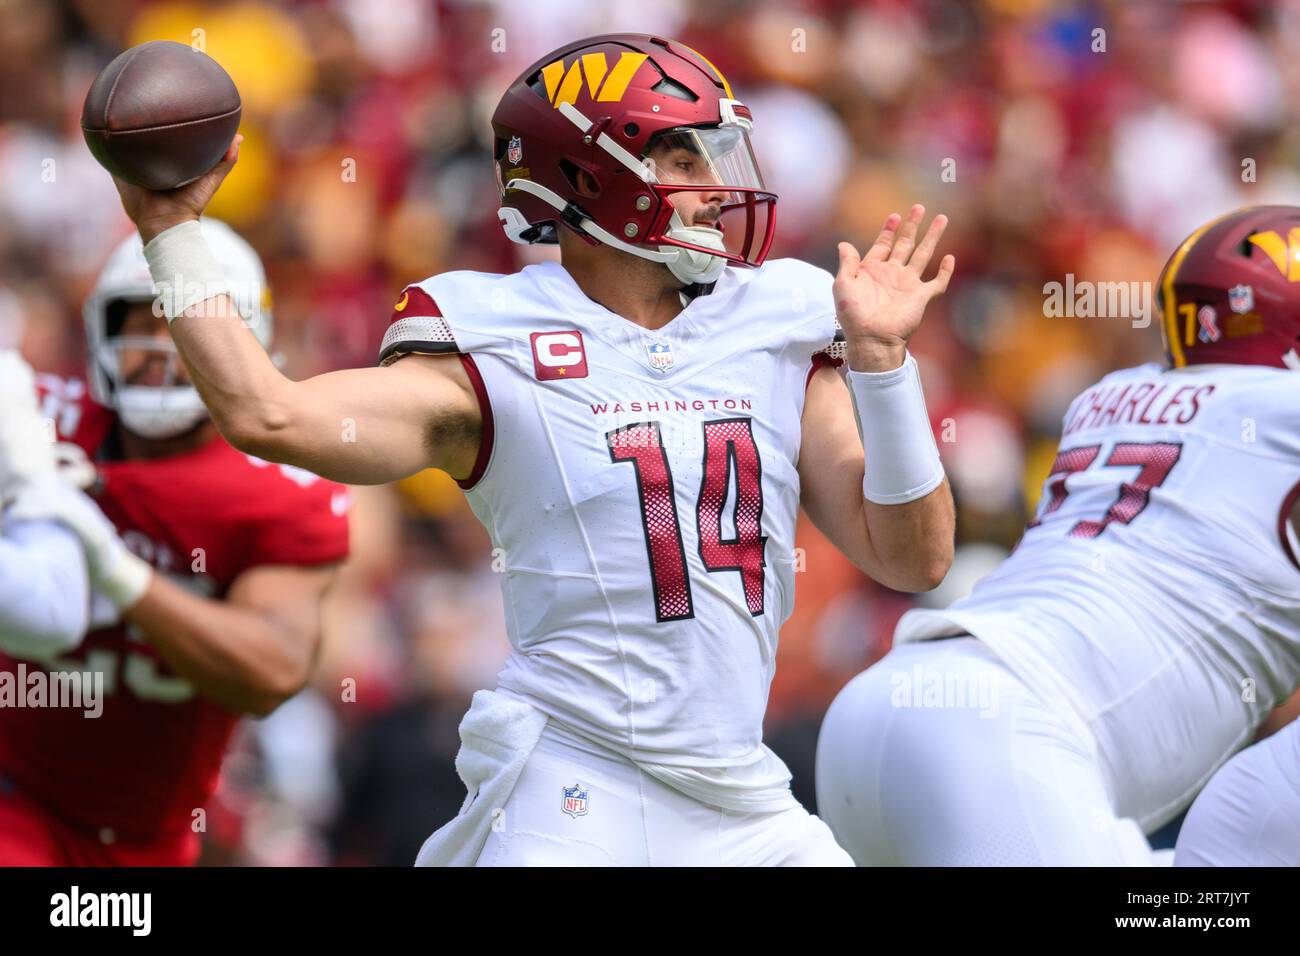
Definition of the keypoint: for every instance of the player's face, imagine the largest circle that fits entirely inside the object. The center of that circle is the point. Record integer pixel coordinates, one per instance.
(153, 367)
(677, 163)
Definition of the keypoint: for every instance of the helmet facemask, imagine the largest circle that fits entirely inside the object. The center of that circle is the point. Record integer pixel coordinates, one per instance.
(717, 161)
(167, 406)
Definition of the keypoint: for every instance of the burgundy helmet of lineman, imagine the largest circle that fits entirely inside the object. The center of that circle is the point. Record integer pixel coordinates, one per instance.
(1231, 292)
(602, 106)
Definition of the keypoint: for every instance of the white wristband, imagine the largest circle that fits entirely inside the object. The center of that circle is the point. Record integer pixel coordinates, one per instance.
(126, 581)
(902, 459)
(183, 268)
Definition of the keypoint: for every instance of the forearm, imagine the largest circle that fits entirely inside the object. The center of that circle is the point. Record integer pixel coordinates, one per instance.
(44, 596)
(236, 378)
(232, 655)
(896, 524)
(340, 425)
(912, 543)
(249, 399)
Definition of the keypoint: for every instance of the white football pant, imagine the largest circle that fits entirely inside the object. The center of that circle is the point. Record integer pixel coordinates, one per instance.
(614, 814)
(1249, 812)
(939, 755)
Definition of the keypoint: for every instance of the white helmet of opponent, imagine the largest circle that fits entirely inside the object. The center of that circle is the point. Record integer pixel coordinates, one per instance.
(170, 409)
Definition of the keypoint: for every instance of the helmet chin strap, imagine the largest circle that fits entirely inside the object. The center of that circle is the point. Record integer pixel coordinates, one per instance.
(688, 265)
(691, 265)
(158, 412)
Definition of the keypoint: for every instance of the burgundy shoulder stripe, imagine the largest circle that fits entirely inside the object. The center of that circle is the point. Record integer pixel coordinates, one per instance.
(489, 427)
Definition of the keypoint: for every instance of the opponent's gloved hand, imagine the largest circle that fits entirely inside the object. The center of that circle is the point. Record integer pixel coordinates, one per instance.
(26, 451)
(113, 570)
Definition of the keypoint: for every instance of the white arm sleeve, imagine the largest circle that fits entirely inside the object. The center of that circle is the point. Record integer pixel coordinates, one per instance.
(44, 594)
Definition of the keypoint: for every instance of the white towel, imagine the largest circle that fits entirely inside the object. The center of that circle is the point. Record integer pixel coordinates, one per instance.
(497, 736)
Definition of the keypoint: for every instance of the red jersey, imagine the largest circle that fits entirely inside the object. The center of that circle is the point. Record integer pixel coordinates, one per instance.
(203, 518)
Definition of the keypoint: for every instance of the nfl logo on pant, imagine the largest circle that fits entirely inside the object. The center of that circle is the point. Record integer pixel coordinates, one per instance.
(575, 801)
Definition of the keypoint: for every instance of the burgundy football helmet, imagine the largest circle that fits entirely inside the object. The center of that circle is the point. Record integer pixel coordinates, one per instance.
(643, 117)
(1231, 292)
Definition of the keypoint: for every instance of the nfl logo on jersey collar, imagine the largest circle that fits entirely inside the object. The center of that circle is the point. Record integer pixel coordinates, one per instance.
(661, 355)
(575, 801)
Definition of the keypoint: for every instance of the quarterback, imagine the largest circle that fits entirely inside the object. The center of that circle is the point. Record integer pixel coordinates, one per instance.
(637, 427)
(1144, 627)
(207, 567)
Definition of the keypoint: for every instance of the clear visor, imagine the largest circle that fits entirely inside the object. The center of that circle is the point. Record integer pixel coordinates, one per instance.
(718, 164)
(718, 156)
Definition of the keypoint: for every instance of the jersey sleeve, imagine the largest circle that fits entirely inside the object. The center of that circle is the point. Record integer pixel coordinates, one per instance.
(810, 286)
(417, 326)
(835, 352)
(44, 597)
(1269, 414)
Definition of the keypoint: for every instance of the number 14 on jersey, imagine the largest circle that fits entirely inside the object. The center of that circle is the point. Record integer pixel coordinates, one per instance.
(729, 449)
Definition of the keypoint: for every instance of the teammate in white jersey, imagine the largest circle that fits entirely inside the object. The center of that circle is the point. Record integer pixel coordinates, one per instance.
(637, 427)
(48, 569)
(1143, 628)
(1249, 812)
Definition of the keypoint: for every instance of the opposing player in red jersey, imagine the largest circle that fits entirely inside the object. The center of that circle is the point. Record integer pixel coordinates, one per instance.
(227, 623)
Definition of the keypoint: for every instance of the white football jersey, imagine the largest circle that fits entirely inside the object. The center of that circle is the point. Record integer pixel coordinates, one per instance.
(1157, 588)
(642, 492)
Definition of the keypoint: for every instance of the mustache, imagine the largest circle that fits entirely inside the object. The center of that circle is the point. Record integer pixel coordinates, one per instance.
(708, 216)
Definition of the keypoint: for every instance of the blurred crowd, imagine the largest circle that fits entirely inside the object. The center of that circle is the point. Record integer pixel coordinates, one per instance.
(1059, 137)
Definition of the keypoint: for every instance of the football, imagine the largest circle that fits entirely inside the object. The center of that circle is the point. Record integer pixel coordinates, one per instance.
(161, 115)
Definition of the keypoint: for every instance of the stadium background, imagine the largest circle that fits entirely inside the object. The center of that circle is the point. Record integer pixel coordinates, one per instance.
(1066, 160)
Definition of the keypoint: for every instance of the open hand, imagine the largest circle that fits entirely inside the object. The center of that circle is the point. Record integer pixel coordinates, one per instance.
(880, 297)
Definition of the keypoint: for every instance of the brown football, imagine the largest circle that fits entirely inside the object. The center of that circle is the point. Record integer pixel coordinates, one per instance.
(161, 115)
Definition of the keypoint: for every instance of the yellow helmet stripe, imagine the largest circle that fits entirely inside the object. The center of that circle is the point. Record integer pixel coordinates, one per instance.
(725, 85)
(570, 87)
(593, 66)
(620, 77)
(551, 74)
(1170, 303)
(1285, 253)
(1274, 247)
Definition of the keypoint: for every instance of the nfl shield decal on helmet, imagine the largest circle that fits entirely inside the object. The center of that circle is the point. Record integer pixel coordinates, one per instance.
(1241, 298)
(575, 801)
(515, 150)
(661, 356)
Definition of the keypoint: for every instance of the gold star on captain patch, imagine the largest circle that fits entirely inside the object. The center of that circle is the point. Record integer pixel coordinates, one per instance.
(564, 371)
